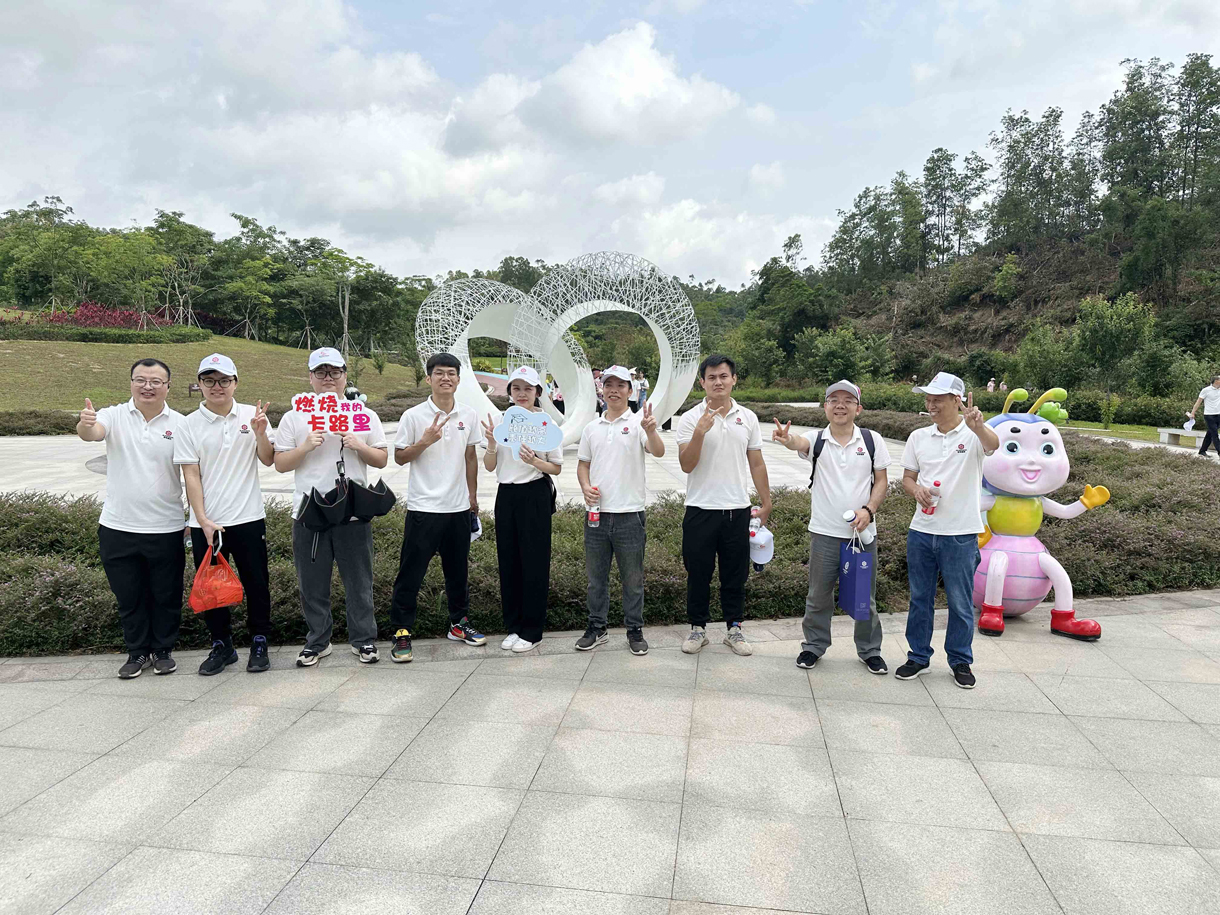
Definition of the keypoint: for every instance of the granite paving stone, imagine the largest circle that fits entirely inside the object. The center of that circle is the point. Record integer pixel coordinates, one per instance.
(1023, 737)
(761, 776)
(650, 767)
(344, 743)
(1197, 701)
(496, 898)
(38, 874)
(218, 733)
(627, 707)
(873, 727)
(480, 753)
(328, 889)
(1171, 747)
(1102, 698)
(29, 772)
(519, 700)
(91, 724)
(1190, 803)
(416, 692)
(756, 719)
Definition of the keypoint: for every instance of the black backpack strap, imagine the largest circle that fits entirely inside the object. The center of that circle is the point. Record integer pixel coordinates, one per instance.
(815, 451)
(870, 442)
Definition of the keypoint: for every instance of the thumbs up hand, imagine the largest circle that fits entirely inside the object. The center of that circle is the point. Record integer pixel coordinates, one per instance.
(88, 416)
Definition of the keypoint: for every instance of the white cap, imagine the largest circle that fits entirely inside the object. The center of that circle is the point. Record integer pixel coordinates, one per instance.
(617, 371)
(845, 386)
(327, 355)
(218, 363)
(525, 373)
(762, 546)
(943, 383)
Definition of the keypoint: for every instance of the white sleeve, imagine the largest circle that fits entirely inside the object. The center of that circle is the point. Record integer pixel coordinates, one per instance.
(106, 417)
(584, 451)
(881, 456)
(286, 432)
(406, 435)
(376, 437)
(185, 451)
(686, 426)
(910, 459)
(475, 433)
(755, 440)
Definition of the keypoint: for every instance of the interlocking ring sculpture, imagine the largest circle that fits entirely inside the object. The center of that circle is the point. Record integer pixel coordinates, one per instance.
(535, 326)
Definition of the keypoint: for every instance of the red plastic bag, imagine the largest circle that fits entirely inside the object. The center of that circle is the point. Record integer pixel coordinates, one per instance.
(216, 584)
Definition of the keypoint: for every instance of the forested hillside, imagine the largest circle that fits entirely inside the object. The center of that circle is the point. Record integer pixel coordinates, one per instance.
(1058, 254)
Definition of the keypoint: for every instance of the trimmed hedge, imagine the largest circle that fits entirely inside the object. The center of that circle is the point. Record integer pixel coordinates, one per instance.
(38, 422)
(1158, 533)
(67, 333)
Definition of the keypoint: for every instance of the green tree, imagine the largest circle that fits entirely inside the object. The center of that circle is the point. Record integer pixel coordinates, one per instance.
(755, 351)
(1109, 332)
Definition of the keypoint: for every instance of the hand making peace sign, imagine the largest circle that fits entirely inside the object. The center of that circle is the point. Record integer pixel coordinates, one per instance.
(433, 433)
(784, 436)
(648, 422)
(489, 431)
(974, 416)
(260, 421)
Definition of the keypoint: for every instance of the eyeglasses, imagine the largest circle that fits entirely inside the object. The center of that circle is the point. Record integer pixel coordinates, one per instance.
(153, 383)
(329, 374)
(216, 382)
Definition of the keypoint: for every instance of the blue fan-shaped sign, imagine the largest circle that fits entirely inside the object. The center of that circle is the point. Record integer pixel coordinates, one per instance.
(534, 430)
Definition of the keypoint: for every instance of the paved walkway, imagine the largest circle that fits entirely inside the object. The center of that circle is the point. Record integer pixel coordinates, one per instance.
(1078, 778)
(67, 466)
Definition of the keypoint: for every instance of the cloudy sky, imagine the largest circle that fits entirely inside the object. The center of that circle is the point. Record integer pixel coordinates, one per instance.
(697, 133)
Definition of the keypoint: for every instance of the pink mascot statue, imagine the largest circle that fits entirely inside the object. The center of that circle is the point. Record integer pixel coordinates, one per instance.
(1016, 572)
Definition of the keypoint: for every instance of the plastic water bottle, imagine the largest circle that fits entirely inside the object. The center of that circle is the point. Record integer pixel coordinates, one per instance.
(931, 510)
(866, 535)
(595, 514)
(755, 527)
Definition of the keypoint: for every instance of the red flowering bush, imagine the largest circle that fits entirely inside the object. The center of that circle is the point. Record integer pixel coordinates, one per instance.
(95, 314)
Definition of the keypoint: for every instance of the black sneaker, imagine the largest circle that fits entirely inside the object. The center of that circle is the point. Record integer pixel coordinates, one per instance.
(635, 641)
(910, 670)
(875, 664)
(223, 654)
(163, 662)
(806, 660)
(591, 639)
(258, 656)
(135, 666)
(963, 677)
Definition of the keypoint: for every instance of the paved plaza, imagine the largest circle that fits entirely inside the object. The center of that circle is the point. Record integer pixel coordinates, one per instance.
(1077, 778)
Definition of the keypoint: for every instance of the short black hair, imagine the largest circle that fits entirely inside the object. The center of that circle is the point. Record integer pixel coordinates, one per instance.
(714, 360)
(148, 363)
(446, 359)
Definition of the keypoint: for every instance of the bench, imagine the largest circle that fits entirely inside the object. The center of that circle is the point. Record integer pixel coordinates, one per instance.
(1175, 436)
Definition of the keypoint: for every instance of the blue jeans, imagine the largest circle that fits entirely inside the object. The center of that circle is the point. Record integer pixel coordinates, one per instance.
(955, 559)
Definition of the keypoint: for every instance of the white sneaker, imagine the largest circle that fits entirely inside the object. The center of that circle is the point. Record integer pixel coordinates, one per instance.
(695, 641)
(510, 641)
(737, 641)
(522, 646)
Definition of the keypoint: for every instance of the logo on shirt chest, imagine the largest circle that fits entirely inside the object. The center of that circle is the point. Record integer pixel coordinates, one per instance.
(961, 449)
(245, 430)
(859, 450)
(168, 434)
(739, 420)
(461, 426)
(626, 431)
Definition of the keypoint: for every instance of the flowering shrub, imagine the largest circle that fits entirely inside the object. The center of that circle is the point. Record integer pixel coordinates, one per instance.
(95, 314)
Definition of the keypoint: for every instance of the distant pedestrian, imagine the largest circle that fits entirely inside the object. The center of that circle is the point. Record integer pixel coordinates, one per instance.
(1209, 398)
(991, 386)
(634, 398)
(140, 531)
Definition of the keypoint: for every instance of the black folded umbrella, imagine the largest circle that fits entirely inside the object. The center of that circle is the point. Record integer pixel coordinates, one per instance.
(321, 512)
(368, 502)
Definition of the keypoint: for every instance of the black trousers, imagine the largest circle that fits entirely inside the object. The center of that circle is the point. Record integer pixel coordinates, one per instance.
(145, 574)
(244, 546)
(708, 535)
(425, 535)
(523, 547)
(1213, 432)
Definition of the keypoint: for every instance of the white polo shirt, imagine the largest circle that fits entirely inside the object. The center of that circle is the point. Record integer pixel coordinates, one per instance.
(317, 469)
(225, 448)
(956, 459)
(512, 471)
(143, 486)
(843, 480)
(614, 450)
(721, 479)
(438, 476)
(1211, 400)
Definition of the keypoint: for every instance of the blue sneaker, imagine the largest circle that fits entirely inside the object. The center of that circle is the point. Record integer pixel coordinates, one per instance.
(463, 632)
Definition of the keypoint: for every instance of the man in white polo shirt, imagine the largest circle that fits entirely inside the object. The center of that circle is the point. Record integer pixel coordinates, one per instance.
(611, 476)
(943, 471)
(1209, 399)
(720, 450)
(312, 458)
(848, 480)
(219, 448)
(437, 438)
(140, 531)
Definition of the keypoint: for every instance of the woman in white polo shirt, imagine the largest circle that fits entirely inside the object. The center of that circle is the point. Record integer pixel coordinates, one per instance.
(220, 447)
(524, 503)
(140, 531)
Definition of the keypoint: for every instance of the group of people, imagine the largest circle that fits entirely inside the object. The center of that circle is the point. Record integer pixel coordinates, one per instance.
(217, 450)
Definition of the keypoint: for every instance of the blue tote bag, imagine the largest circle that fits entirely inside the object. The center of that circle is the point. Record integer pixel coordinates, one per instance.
(855, 579)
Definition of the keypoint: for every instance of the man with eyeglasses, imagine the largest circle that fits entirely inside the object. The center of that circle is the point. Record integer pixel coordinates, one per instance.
(220, 447)
(312, 457)
(140, 531)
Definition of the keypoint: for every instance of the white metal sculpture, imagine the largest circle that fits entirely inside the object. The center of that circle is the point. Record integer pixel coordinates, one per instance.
(536, 328)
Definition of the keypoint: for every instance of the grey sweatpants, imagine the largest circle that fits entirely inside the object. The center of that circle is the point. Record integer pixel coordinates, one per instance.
(350, 546)
(820, 601)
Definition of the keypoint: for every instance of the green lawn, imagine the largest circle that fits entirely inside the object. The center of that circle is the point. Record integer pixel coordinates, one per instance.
(45, 375)
(1118, 430)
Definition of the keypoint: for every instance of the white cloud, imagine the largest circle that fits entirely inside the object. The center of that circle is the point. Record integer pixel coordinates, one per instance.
(761, 114)
(625, 90)
(767, 177)
(637, 190)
